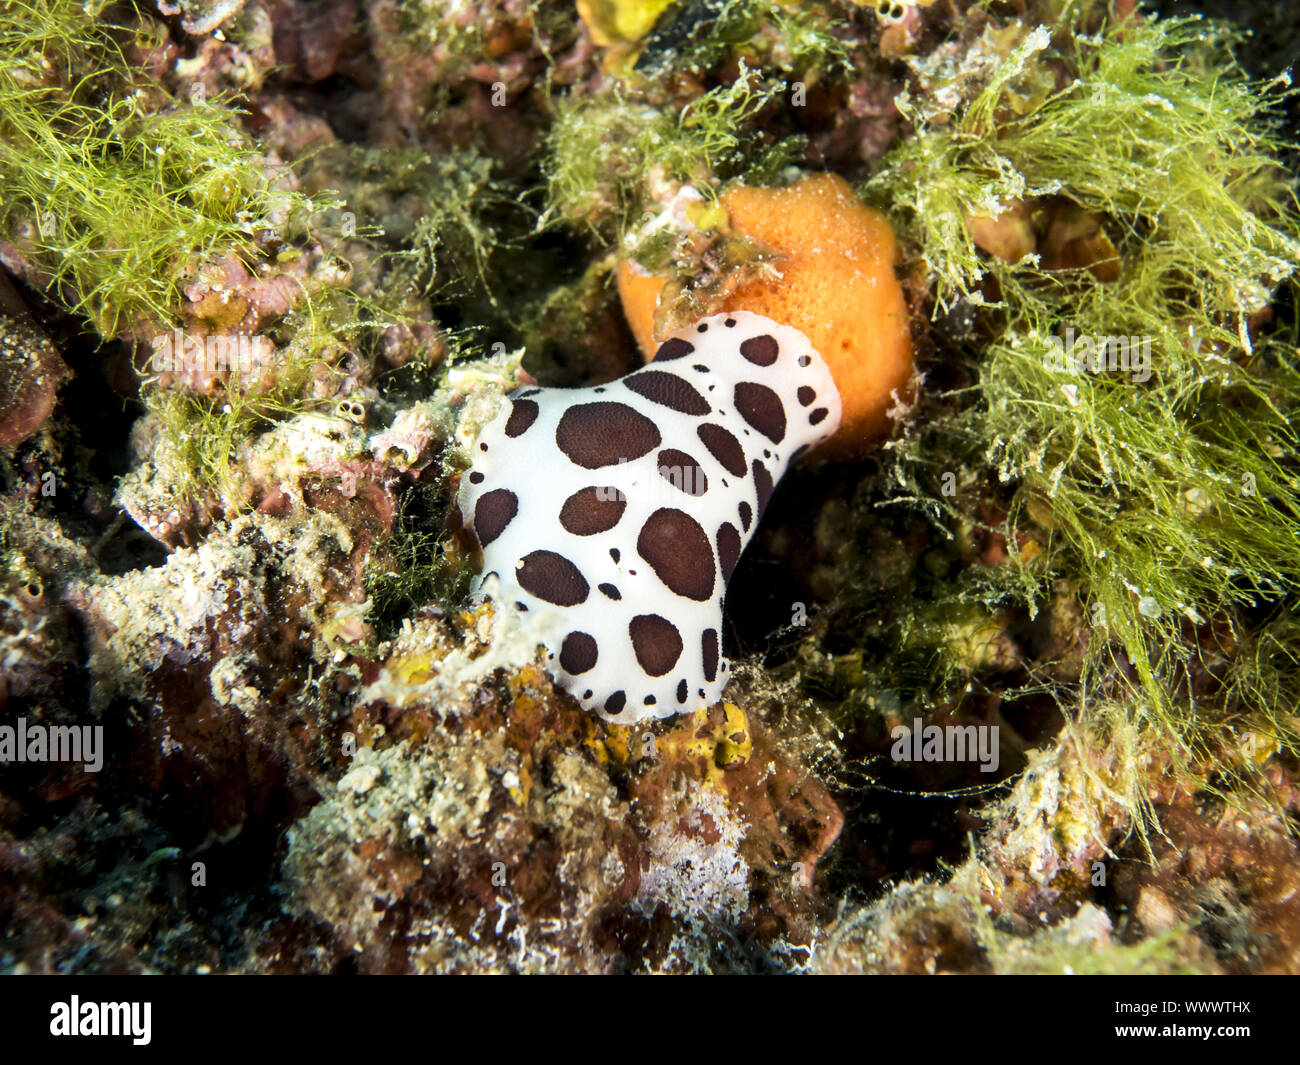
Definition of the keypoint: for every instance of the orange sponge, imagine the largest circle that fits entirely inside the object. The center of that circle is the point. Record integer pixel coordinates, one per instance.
(836, 286)
(640, 293)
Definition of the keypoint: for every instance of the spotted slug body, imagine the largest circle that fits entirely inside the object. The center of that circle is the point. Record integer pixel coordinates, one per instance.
(618, 513)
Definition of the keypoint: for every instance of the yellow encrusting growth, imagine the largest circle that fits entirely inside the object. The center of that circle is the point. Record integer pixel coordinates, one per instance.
(620, 21)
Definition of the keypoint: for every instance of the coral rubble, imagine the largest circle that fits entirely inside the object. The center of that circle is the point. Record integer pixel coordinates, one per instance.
(1014, 679)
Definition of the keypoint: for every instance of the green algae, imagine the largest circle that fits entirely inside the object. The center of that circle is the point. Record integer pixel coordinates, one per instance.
(607, 155)
(1166, 495)
(110, 187)
(702, 35)
(443, 247)
(412, 566)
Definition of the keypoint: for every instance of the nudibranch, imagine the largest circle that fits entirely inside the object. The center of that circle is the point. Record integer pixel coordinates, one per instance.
(614, 516)
(620, 511)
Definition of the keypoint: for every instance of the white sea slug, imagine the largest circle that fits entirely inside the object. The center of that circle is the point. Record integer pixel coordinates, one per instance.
(615, 515)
